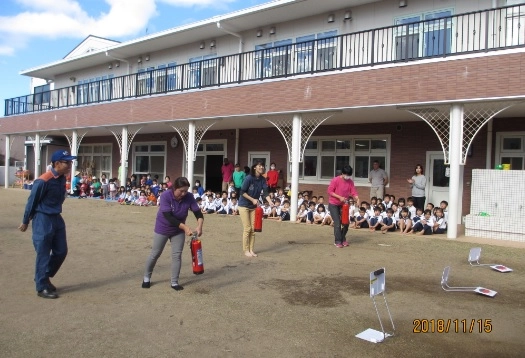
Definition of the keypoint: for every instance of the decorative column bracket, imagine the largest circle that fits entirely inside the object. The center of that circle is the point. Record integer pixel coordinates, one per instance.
(42, 138)
(309, 123)
(69, 137)
(132, 132)
(201, 127)
(475, 116)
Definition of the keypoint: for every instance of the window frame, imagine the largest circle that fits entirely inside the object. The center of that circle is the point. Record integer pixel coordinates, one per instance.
(510, 153)
(319, 153)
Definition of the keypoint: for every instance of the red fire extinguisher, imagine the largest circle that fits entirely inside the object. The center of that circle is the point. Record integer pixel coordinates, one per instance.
(196, 255)
(257, 225)
(345, 212)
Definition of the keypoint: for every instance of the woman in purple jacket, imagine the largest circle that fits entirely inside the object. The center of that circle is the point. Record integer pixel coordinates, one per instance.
(171, 225)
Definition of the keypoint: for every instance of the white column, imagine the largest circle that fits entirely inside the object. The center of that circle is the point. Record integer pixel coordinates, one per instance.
(236, 146)
(296, 148)
(36, 148)
(123, 156)
(74, 151)
(191, 152)
(455, 150)
(489, 145)
(7, 156)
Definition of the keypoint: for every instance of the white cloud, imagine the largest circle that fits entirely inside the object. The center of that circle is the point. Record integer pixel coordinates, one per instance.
(53, 19)
(7, 50)
(199, 3)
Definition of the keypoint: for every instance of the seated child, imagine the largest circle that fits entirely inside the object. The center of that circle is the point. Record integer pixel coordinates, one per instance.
(319, 214)
(301, 213)
(209, 206)
(425, 225)
(267, 210)
(223, 208)
(376, 220)
(404, 222)
(361, 220)
(388, 223)
(310, 213)
(411, 207)
(440, 226)
(234, 206)
(444, 205)
(142, 200)
(285, 212)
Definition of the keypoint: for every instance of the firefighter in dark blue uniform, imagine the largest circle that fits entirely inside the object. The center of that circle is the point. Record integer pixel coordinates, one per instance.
(49, 230)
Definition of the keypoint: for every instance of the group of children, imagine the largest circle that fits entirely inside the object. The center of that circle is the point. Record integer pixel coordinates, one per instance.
(381, 214)
(386, 215)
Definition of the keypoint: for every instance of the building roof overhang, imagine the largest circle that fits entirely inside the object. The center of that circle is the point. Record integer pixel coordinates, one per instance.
(273, 12)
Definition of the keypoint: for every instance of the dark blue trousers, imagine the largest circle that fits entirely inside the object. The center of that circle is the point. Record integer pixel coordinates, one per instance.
(49, 240)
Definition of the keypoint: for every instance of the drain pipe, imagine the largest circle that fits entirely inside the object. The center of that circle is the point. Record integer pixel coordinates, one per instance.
(120, 59)
(231, 33)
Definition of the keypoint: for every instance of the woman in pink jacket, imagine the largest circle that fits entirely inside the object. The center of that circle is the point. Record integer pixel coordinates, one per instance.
(340, 189)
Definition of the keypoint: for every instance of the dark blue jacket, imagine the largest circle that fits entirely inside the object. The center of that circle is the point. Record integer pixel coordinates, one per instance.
(47, 195)
(254, 186)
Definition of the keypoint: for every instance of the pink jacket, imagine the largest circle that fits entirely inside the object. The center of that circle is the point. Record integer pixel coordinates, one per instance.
(344, 188)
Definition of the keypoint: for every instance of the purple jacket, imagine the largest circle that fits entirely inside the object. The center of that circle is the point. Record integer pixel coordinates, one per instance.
(179, 209)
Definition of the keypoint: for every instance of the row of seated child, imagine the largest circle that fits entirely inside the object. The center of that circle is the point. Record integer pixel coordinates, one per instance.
(218, 203)
(391, 216)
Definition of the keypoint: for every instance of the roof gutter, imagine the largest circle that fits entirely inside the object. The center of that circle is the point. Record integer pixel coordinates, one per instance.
(241, 43)
(119, 59)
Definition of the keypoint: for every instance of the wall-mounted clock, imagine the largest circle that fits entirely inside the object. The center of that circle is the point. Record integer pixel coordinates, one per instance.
(174, 141)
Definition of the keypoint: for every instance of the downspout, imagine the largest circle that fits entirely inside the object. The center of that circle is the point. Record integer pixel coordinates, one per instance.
(120, 59)
(233, 34)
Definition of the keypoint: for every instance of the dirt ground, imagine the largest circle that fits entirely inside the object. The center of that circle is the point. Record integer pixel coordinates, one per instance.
(301, 297)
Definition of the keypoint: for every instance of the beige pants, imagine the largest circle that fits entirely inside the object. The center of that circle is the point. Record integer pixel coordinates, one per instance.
(225, 186)
(248, 235)
(377, 191)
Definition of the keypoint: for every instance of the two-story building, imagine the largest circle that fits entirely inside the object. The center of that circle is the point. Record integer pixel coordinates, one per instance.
(311, 85)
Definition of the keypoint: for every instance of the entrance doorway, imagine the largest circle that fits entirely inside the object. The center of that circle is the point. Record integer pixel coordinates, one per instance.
(438, 178)
(213, 175)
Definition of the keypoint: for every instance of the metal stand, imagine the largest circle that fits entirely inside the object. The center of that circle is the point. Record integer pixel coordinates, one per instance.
(481, 290)
(377, 287)
(473, 260)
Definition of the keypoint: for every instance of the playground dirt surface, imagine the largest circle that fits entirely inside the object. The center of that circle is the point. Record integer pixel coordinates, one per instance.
(301, 297)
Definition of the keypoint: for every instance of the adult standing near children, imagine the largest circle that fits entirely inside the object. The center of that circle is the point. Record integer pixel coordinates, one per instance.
(378, 180)
(43, 208)
(227, 173)
(170, 224)
(253, 185)
(340, 189)
(272, 177)
(418, 183)
(238, 177)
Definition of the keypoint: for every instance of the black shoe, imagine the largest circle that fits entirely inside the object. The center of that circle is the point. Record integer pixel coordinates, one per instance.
(146, 284)
(50, 286)
(177, 287)
(47, 294)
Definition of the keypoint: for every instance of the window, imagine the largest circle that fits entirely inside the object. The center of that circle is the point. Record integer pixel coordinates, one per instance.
(95, 159)
(431, 37)
(273, 59)
(324, 158)
(149, 158)
(203, 71)
(172, 79)
(515, 17)
(324, 49)
(510, 149)
(144, 81)
(41, 95)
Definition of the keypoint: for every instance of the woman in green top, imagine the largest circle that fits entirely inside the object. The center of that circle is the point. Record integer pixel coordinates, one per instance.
(238, 178)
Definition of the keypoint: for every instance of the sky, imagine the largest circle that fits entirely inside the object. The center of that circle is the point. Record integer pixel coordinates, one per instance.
(37, 32)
